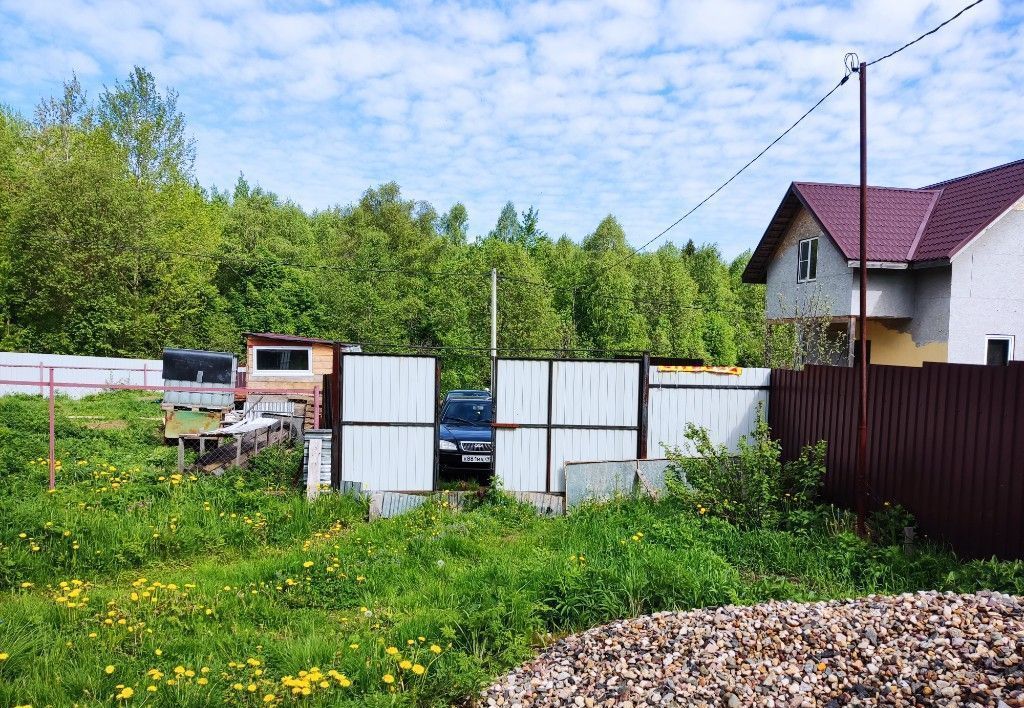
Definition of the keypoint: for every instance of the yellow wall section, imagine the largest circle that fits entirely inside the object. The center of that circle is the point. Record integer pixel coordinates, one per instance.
(891, 346)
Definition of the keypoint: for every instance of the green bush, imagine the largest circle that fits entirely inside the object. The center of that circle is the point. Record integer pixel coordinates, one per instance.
(750, 488)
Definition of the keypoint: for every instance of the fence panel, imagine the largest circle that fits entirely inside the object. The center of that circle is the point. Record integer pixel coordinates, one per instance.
(29, 367)
(725, 404)
(388, 420)
(548, 412)
(946, 441)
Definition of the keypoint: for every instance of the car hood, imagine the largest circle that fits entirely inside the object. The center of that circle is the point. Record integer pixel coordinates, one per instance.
(455, 431)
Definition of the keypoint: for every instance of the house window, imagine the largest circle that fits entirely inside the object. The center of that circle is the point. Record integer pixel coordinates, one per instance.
(807, 266)
(998, 349)
(283, 360)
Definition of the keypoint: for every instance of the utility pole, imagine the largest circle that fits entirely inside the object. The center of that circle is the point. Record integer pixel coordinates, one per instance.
(862, 318)
(494, 313)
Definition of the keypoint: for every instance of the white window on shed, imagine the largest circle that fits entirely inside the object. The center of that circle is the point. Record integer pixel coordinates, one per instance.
(283, 360)
(807, 260)
(998, 349)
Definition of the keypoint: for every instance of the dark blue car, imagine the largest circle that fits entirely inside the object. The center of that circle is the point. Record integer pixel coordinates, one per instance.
(466, 441)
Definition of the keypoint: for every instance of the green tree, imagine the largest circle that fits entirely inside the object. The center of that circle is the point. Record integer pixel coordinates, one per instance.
(147, 125)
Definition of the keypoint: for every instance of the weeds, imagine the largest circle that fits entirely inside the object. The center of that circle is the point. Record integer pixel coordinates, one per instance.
(251, 592)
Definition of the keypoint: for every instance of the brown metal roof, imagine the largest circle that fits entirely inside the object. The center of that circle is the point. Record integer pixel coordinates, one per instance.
(274, 336)
(968, 204)
(904, 225)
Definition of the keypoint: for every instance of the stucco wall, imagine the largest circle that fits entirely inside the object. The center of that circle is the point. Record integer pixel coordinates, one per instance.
(987, 290)
(893, 344)
(836, 291)
(931, 305)
(890, 293)
(831, 288)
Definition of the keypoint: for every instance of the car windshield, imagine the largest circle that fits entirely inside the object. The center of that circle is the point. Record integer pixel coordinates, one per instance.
(467, 412)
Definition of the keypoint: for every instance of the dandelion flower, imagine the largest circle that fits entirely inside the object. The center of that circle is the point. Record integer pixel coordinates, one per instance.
(388, 679)
(269, 698)
(202, 680)
(109, 670)
(126, 693)
(405, 664)
(158, 652)
(307, 564)
(4, 656)
(151, 688)
(418, 669)
(353, 646)
(392, 650)
(435, 649)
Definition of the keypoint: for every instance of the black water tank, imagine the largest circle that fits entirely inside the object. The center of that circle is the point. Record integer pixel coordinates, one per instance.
(199, 366)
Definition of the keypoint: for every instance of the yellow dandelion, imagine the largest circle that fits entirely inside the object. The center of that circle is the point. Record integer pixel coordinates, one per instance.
(388, 679)
(126, 693)
(151, 688)
(418, 669)
(109, 670)
(392, 651)
(202, 680)
(307, 564)
(405, 664)
(435, 649)
(4, 656)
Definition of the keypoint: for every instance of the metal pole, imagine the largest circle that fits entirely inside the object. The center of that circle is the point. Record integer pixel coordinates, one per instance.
(862, 424)
(494, 313)
(53, 454)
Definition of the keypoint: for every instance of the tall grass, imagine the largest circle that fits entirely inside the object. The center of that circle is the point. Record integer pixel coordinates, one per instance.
(302, 601)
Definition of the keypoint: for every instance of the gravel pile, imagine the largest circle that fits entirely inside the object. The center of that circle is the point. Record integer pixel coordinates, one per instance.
(915, 649)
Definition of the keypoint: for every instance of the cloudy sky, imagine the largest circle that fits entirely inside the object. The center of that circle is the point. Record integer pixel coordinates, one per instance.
(580, 108)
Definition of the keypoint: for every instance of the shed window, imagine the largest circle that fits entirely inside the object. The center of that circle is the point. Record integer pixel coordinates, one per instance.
(807, 265)
(277, 360)
(998, 349)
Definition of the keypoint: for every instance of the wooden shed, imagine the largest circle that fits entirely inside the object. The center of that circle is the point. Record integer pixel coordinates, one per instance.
(290, 363)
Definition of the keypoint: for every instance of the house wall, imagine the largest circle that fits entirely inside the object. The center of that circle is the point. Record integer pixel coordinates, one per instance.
(890, 292)
(836, 290)
(987, 290)
(323, 360)
(829, 293)
(892, 343)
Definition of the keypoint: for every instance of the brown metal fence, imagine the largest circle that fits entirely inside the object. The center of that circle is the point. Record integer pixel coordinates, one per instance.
(946, 441)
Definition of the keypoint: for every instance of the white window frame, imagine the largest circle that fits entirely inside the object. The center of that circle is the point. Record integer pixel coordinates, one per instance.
(1000, 338)
(800, 260)
(308, 371)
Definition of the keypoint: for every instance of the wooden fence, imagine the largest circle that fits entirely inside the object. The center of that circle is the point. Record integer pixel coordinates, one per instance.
(945, 440)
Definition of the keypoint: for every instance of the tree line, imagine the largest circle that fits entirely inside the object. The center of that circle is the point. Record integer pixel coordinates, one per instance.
(109, 246)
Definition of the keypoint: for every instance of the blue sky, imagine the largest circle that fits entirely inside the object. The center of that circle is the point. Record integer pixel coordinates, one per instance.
(631, 107)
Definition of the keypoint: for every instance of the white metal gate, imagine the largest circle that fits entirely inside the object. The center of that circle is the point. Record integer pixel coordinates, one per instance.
(723, 403)
(388, 421)
(550, 412)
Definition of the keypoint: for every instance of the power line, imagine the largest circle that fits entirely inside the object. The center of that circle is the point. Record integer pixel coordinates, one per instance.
(633, 300)
(846, 77)
(932, 31)
(223, 260)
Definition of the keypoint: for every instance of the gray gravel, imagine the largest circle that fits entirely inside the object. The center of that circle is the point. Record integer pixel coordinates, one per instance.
(914, 649)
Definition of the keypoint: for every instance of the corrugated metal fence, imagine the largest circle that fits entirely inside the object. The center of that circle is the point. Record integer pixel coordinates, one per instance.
(724, 404)
(946, 441)
(25, 366)
(551, 411)
(388, 422)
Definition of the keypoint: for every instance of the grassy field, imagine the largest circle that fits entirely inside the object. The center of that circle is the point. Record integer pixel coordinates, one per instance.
(133, 585)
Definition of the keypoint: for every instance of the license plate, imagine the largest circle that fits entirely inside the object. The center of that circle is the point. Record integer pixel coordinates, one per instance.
(476, 458)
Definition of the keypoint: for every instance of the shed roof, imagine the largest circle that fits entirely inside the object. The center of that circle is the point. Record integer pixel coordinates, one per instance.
(293, 338)
(904, 225)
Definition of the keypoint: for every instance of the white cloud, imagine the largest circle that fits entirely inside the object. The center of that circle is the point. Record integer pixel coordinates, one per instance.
(580, 107)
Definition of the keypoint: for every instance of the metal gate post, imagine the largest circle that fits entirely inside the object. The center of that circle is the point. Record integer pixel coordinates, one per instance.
(551, 382)
(337, 411)
(642, 407)
(437, 423)
(53, 454)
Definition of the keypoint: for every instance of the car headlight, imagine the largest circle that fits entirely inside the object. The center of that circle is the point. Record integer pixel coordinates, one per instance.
(447, 445)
